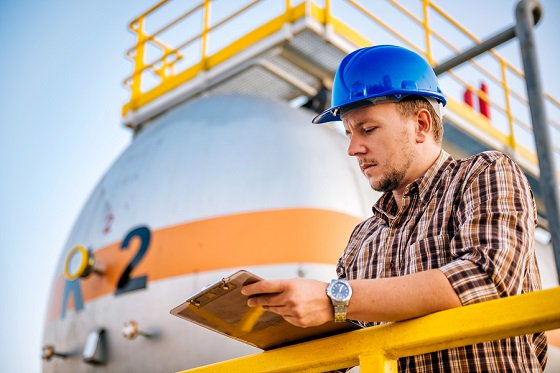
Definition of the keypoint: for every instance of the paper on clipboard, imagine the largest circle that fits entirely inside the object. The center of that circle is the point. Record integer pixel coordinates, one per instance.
(222, 308)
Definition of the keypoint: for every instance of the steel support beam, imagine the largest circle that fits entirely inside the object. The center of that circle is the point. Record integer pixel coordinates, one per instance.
(524, 15)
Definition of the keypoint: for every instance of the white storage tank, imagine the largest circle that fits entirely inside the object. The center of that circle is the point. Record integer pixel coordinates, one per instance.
(217, 184)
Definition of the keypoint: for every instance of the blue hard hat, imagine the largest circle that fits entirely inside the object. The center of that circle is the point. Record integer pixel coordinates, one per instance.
(379, 74)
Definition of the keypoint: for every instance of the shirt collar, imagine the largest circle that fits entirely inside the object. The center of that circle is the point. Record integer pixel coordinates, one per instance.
(386, 205)
(427, 182)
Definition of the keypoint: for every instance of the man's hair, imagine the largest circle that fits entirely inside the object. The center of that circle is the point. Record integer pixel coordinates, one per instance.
(410, 106)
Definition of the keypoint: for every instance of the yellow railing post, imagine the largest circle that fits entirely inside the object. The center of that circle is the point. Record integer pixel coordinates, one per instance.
(205, 26)
(509, 115)
(139, 52)
(425, 7)
(327, 12)
(377, 363)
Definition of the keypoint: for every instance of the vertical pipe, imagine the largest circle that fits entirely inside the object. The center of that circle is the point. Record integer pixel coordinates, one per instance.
(524, 30)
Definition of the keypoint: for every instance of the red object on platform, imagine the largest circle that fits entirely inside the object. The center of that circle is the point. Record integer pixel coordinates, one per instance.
(468, 97)
(483, 103)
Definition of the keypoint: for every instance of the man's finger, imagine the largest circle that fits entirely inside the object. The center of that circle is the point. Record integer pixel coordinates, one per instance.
(263, 287)
(271, 300)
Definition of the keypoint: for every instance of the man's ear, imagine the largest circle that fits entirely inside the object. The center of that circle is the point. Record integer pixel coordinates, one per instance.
(423, 125)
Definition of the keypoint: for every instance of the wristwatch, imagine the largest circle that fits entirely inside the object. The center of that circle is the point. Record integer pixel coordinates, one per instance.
(340, 292)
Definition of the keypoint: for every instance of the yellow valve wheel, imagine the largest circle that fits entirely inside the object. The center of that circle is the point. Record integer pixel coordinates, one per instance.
(78, 263)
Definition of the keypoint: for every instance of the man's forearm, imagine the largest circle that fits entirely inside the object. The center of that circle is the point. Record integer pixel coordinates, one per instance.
(401, 298)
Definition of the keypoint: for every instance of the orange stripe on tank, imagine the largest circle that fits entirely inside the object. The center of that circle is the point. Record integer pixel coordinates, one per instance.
(242, 240)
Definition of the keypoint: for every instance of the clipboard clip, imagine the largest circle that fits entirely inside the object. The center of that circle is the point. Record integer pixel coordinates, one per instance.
(213, 291)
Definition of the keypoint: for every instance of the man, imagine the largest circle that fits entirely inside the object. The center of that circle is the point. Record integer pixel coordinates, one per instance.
(445, 233)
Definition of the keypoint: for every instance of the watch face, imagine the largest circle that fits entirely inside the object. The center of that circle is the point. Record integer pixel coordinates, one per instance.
(340, 290)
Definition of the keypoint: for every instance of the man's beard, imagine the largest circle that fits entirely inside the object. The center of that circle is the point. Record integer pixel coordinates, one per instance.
(390, 181)
(394, 177)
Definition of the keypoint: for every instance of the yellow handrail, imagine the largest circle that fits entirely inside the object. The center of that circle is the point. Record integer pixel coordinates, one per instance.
(380, 22)
(377, 349)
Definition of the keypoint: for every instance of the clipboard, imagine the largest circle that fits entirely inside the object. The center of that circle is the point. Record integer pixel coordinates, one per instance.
(222, 308)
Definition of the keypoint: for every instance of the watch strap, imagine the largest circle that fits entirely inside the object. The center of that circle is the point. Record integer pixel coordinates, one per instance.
(339, 312)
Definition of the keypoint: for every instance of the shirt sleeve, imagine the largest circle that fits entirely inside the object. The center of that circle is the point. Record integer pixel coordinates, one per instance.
(494, 237)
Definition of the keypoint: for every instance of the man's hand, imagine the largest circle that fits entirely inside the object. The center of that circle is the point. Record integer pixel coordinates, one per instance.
(301, 302)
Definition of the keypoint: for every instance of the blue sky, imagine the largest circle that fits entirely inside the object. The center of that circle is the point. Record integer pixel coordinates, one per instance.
(62, 64)
(61, 67)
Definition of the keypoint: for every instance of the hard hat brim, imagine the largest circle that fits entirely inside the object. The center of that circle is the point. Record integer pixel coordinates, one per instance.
(326, 116)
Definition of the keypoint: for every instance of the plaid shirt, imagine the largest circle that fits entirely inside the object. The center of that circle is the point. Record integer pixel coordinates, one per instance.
(474, 219)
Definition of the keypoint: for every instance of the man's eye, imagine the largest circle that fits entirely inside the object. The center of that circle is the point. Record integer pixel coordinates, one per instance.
(369, 130)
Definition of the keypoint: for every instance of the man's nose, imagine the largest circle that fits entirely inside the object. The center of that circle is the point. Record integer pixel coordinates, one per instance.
(356, 146)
